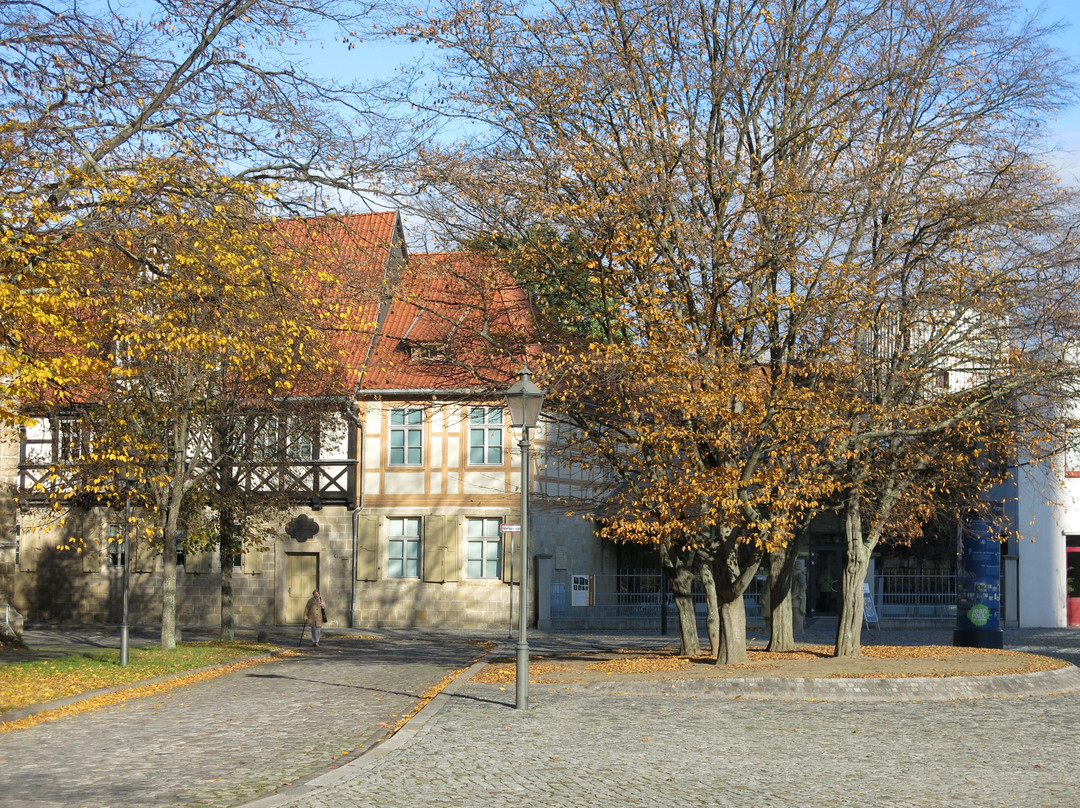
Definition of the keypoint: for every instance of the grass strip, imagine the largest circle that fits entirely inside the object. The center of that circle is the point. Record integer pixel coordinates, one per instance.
(23, 684)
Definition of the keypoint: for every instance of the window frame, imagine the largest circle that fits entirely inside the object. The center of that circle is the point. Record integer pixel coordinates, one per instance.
(115, 551)
(411, 552)
(407, 431)
(483, 541)
(484, 429)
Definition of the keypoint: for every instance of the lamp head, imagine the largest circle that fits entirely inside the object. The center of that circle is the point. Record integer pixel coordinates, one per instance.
(524, 399)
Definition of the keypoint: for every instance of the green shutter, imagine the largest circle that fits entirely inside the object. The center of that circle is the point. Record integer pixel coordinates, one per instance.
(367, 547)
(197, 561)
(442, 548)
(252, 560)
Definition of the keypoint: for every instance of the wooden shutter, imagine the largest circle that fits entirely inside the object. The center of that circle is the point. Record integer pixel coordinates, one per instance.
(367, 547)
(92, 548)
(28, 551)
(511, 557)
(251, 561)
(197, 562)
(442, 549)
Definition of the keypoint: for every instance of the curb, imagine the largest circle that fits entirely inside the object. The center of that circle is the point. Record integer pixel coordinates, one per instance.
(762, 688)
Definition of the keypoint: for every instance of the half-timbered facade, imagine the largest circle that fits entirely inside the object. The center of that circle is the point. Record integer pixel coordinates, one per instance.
(403, 499)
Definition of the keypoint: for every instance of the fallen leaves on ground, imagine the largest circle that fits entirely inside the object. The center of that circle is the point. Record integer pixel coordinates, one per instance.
(25, 683)
(136, 691)
(641, 664)
(501, 674)
(877, 661)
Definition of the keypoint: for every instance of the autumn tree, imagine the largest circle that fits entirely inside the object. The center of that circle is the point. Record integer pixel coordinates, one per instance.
(199, 325)
(92, 91)
(752, 189)
(121, 121)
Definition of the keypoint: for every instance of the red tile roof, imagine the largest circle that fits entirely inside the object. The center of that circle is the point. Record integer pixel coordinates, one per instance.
(456, 322)
(436, 322)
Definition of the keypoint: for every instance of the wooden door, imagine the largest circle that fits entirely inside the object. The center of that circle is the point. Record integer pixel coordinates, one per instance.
(301, 578)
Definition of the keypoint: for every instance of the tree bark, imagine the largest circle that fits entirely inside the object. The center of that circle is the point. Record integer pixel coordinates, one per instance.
(712, 606)
(856, 564)
(678, 568)
(227, 548)
(781, 563)
(733, 568)
(168, 581)
(732, 648)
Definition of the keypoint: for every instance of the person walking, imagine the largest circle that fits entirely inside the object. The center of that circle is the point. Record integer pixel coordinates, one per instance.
(315, 614)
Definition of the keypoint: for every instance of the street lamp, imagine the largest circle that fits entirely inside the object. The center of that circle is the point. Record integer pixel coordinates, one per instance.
(524, 400)
(127, 482)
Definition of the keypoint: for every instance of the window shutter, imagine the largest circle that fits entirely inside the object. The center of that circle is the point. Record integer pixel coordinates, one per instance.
(442, 542)
(92, 550)
(145, 556)
(367, 547)
(511, 557)
(252, 561)
(198, 561)
(28, 553)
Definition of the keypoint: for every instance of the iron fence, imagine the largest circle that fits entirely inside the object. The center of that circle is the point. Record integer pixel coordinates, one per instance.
(642, 596)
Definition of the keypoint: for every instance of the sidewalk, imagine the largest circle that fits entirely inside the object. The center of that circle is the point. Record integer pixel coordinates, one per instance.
(231, 738)
(305, 733)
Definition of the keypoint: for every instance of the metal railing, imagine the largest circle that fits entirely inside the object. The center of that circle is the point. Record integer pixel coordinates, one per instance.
(643, 596)
(628, 596)
(915, 594)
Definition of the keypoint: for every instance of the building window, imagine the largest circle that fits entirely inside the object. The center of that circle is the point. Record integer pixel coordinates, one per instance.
(403, 553)
(1072, 453)
(284, 439)
(301, 447)
(72, 438)
(484, 548)
(485, 435)
(117, 551)
(406, 437)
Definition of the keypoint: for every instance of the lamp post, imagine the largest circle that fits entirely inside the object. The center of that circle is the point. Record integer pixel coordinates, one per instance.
(524, 400)
(128, 481)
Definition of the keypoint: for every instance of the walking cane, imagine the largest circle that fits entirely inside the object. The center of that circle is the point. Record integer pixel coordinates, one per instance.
(302, 633)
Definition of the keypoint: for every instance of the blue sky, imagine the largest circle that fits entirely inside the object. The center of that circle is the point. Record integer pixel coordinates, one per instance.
(374, 59)
(1066, 129)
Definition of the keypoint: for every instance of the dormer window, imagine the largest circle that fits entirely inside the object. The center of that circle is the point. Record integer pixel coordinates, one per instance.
(428, 351)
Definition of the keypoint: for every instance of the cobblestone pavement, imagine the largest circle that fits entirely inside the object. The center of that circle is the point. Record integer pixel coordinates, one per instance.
(232, 738)
(571, 750)
(278, 727)
(602, 746)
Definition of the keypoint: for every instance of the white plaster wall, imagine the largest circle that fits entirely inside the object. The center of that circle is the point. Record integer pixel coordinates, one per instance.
(1048, 508)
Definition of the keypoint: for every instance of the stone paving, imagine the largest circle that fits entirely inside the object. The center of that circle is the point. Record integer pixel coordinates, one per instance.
(279, 726)
(232, 738)
(571, 750)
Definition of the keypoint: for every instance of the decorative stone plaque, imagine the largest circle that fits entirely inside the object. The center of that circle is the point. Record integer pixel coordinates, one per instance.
(302, 527)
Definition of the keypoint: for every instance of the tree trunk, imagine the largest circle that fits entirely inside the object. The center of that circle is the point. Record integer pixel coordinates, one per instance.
(168, 581)
(678, 568)
(734, 568)
(712, 606)
(781, 631)
(856, 564)
(228, 547)
(228, 630)
(781, 601)
(732, 649)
